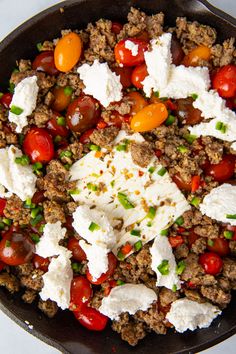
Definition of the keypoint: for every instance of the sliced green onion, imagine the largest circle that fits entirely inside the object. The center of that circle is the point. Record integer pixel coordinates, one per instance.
(11, 87)
(68, 91)
(34, 212)
(156, 94)
(190, 138)
(76, 267)
(92, 187)
(21, 138)
(61, 121)
(2, 226)
(164, 232)
(94, 227)
(120, 282)
(194, 96)
(123, 199)
(121, 147)
(170, 120)
(221, 127)
(174, 288)
(218, 125)
(35, 238)
(230, 216)
(67, 166)
(36, 220)
(22, 160)
(162, 171)
(228, 234)
(7, 221)
(210, 243)
(112, 184)
(149, 224)
(179, 221)
(8, 243)
(180, 267)
(151, 169)
(195, 201)
(164, 267)
(65, 153)
(28, 204)
(74, 191)
(93, 147)
(138, 245)
(183, 149)
(16, 110)
(41, 228)
(151, 213)
(135, 232)
(39, 46)
(120, 256)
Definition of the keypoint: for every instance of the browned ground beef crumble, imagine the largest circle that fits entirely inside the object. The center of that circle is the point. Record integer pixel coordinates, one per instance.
(57, 204)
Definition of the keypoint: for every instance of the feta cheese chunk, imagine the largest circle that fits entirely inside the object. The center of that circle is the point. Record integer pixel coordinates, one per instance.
(16, 178)
(24, 97)
(127, 298)
(186, 314)
(161, 251)
(220, 204)
(57, 281)
(101, 82)
(210, 104)
(4, 193)
(48, 245)
(233, 146)
(132, 47)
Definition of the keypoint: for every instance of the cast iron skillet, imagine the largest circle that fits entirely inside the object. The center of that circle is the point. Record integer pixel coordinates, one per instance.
(64, 332)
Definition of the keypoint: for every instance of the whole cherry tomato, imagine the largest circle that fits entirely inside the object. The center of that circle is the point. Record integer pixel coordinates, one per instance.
(137, 100)
(41, 263)
(84, 138)
(150, 117)
(177, 52)
(91, 318)
(6, 99)
(138, 75)
(82, 114)
(224, 81)
(220, 246)
(62, 98)
(45, 62)
(175, 241)
(125, 75)
(68, 51)
(38, 145)
(16, 248)
(77, 252)
(124, 55)
(197, 54)
(223, 170)
(186, 113)
(211, 262)
(116, 27)
(185, 186)
(3, 203)
(55, 128)
(112, 263)
(80, 292)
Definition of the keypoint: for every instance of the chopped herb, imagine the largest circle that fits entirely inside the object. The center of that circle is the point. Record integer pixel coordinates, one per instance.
(179, 221)
(93, 147)
(149, 224)
(218, 125)
(16, 110)
(195, 201)
(7, 221)
(120, 282)
(39, 46)
(2, 226)
(135, 232)
(123, 199)
(138, 245)
(61, 121)
(68, 91)
(34, 212)
(190, 138)
(35, 238)
(151, 169)
(94, 227)
(174, 288)
(221, 127)
(183, 149)
(162, 171)
(230, 216)
(228, 234)
(65, 153)
(164, 267)
(67, 166)
(170, 120)
(120, 256)
(210, 243)
(37, 166)
(23, 160)
(41, 228)
(156, 94)
(122, 147)
(28, 204)
(11, 87)
(180, 267)
(76, 267)
(74, 191)
(151, 213)
(194, 96)
(164, 232)
(112, 184)
(92, 187)
(36, 220)
(8, 243)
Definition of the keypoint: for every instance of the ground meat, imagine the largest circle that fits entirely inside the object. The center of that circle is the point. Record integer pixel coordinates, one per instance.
(192, 268)
(199, 245)
(167, 296)
(216, 295)
(71, 207)
(155, 25)
(24, 65)
(232, 246)
(42, 115)
(224, 283)
(53, 212)
(136, 24)
(49, 307)
(76, 149)
(121, 107)
(224, 54)
(6, 135)
(72, 80)
(10, 282)
(141, 153)
(29, 296)
(181, 251)
(15, 210)
(47, 45)
(209, 230)
(24, 269)
(206, 279)
(229, 268)
(104, 137)
(97, 298)
(49, 99)
(44, 81)
(153, 319)
(33, 281)
(213, 148)
(193, 295)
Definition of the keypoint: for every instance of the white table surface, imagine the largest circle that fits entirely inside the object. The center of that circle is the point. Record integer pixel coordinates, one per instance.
(14, 339)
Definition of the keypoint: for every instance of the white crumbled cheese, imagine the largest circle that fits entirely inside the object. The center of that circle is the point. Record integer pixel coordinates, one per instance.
(220, 202)
(48, 245)
(127, 298)
(233, 146)
(57, 281)
(24, 97)
(186, 314)
(16, 178)
(161, 250)
(4, 193)
(210, 104)
(101, 82)
(132, 47)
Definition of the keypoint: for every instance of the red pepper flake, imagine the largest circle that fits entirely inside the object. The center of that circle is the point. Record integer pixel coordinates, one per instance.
(101, 124)
(170, 105)
(126, 249)
(195, 183)
(181, 229)
(140, 173)
(176, 241)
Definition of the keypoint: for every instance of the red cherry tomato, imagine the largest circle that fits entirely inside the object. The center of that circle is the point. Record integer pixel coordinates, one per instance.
(177, 52)
(6, 99)
(224, 81)
(3, 203)
(82, 114)
(84, 138)
(116, 27)
(186, 113)
(91, 318)
(138, 75)
(56, 129)
(38, 145)
(16, 248)
(175, 241)
(80, 292)
(112, 262)
(223, 170)
(77, 252)
(125, 75)
(220, 246)
(41, 263)
(211, 262)
(186, 186)
(124, 56)
(45, 62)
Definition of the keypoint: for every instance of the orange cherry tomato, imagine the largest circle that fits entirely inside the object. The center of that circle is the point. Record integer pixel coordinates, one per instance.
(138, 102)
(67, 52)
(150, 117)
(199, 53)
(138, 75)
(61, 98)
(124, 55)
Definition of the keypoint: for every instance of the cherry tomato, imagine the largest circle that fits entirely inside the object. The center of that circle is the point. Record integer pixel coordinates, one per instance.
(3, 203)
(124, 56)
(80, 292)
(56, 129)
(150, 117)
(112, 263)
(220, 246)
(224, 81)
(137, 100)
(138, 75)
(6, 99)
(177, 52)
(144, 36)
(77, 252)
(68, 223)
(223, 170)
(211, 262)
(84, 138)
(192, 237)
(82, 114)
(61, 99)
(186, 113)
(16, 248)
(67, 52)
(186, 186)
(38, 197)
(41, 263)
(195, 55)
(117, 119)
(125, 75)
(116, 27)
(38, 145)
(91, 318)
(175, 241)
(45, 62)
(101, 124)
(232, 228)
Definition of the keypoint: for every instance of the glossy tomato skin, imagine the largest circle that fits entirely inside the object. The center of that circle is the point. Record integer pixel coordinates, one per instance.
(80, 292)
(116, 27)
(91, 318)
(186, 186)
(61, 99)
(38, 197)
(177, 52)
(211, 262)
(124, 56)
(45, 62)
(220, 246)
(6, 99)
(68, 51)
(85, 137)
(125, 75)
(77, 252)
(38, 145)
(138, 75)
(186, 113)
(54, 128)
(224, 81)
(223, 170)
(16, 248)
(112, 263)
(82, 114)
(3, 203)
(41, 263)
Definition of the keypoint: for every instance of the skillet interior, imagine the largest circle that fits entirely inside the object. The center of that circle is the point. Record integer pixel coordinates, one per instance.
(63, 331)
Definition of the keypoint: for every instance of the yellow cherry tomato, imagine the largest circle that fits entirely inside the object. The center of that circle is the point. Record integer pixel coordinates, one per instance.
(67, 52)
(199, 53)
(137, 100)
(150, 117)
(62, 98)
